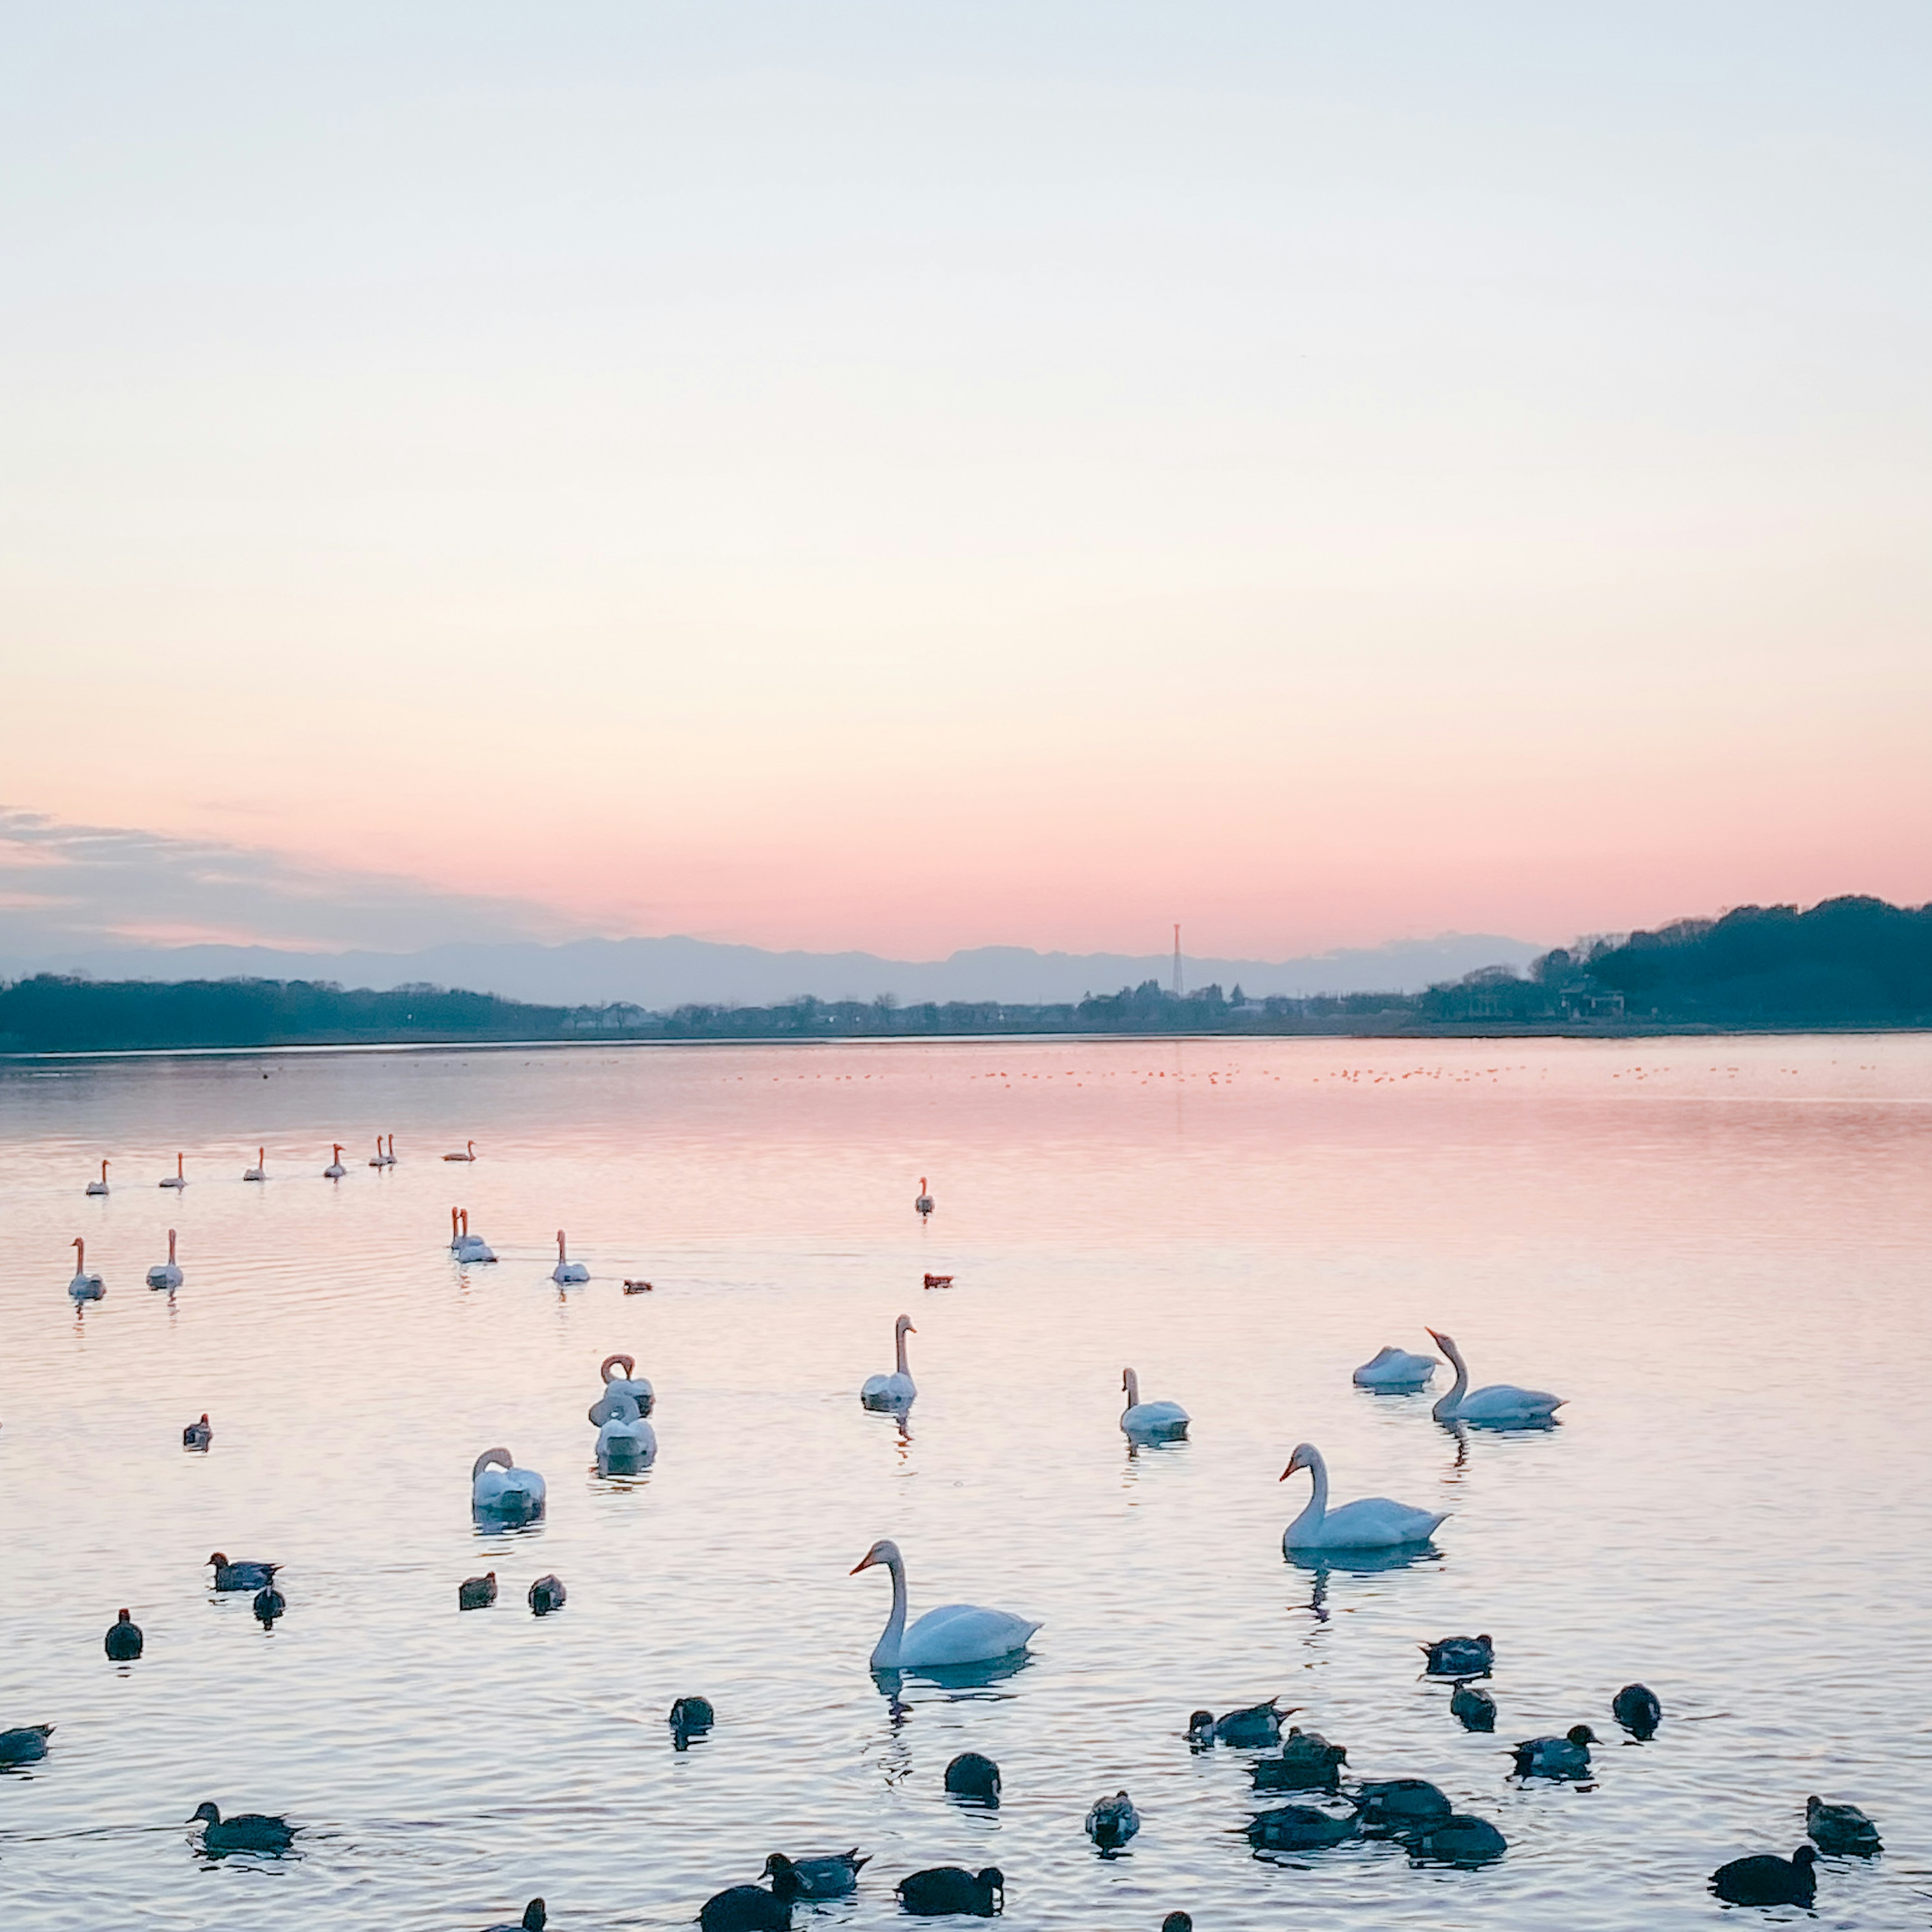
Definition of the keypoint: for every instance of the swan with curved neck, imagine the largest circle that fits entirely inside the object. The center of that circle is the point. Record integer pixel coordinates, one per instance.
(498, 1488)
(567, 1272)
(1150, 1421)
(334, 1171)
(166, 1274)
(897, 1389)
(260, 1171)
(630, 1383)
(99, 1187)
(1373, 1523)
(178, 1178)
(954, 1634)
(84, 1287)
(1500, 1405)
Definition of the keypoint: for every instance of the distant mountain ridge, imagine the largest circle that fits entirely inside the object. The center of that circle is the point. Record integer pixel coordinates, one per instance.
(664, 973)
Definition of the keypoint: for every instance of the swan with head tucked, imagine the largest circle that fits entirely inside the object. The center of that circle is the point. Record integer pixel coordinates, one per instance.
(99, 1187)
(1499, 1405)
(626, 1441)
(178, 1178)
(1151, 1421)
(1374, 1523)
(1395, 1368)
(896, 1390)
(260, 1171)
(166, 1274)
(567, 1272)
(84, 1287)
(954, 1634)
(466, 1247)
(334, 1171)
(629, 1383)
(498, 1488)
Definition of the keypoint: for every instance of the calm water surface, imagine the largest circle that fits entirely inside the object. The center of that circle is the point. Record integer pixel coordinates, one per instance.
(1719, 1251)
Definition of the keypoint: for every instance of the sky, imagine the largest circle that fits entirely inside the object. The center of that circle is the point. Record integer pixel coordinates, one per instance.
(858, 476)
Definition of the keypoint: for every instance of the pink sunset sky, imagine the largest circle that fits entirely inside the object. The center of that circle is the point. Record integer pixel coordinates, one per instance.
(857, 476)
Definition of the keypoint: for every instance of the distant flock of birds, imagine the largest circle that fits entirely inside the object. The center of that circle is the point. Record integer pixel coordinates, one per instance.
(1411, 1811)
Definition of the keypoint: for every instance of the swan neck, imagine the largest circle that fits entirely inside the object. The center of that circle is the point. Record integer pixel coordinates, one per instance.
(1453, 1400)
(899, 1353)
(886, 1652)
(1310, 1519)
(1133, 1384)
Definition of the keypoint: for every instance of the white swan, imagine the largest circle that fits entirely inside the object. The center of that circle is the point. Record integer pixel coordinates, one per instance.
(628, 1384)
(1151, 1421)
(954, 1634)
(84, 1287)
(1499, 1405)
(924, 1203)
(1373, 1523)
(260, 1171)
(166, 1274)
(896, 1390)
(626, 1440)
(1395, 1368)
(334, 1171)
(99, 1187)
(178, 1178)
(567, 1271)
(497, 1487)
(468, 1153)
(376, 1159)
(468, 1247)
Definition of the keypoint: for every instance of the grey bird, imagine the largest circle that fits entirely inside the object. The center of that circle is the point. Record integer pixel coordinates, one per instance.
(269, 1604)
(1308, 1762)
(1460, 1657)
(1765, 1880)
(1458, 1839)
(830, 1875)
(1566, 1757)
(197, 1434)
(1636, 1709)
(690, 1717)
(123, 1640)
(477, 1593)
(949, 1889)
(1397, 1804)
(25, 1745)
(1112, 1822)
(546, 1594)
(242, 1576)
(1476, 1709)
(1254, 1727)
(1298, 1827)
(971, 1776)
(1841, 1829)
(248, 1831)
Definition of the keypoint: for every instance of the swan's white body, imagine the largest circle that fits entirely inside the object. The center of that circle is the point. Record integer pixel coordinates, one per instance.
(260, 1171)
(1395, 1368)
(1498, 1406)
(166, 1274)
(625, 1436)
(1373, 1523)
(635, 1386)
(896, 1390)
(178, 1178)
(497, 1487)
(99, 1187)
(954, 1634)
(466, 1246)
(334, 1171)
(567, 1272)
(84, 1287)
(1150, 1421)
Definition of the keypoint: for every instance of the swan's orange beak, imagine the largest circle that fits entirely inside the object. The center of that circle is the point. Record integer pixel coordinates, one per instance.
(864, 1563)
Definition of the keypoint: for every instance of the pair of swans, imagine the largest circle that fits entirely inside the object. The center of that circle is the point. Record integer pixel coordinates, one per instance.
(466, 1246)
(897, 1389)
(499, 1489)
(1500, 1405)
(84, 1287)
(166, 1274)
(1374, 1523)
(380, 1159)
(952, 1635)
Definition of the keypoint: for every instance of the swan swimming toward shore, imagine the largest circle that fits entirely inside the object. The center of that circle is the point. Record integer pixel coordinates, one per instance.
(166, 1274)
(897, 1389)
(954, 1634)
(1374, 1523)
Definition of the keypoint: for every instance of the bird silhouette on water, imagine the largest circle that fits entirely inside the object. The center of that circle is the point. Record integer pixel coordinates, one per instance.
(248, 1831)
(1636, 1709)
(1766, 1880)
(477, 1593)
(535, 1917)
(123, 1640)
(1843, 1830)
(268, 1605)
(975, 1778)
(546, 1594)
(945, 1890)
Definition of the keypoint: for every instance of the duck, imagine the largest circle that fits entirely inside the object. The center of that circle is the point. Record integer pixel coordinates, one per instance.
(974, 1778)
(954, 1634)
(1373, 1523)
(84, 1287)
(1308, 1762)
(626, 1442)
(1255, 1726)
(897, 1389)
(469, 1248)
(629, 1383)
(1298, 1827)
(1151, 1421)
(1767, 1880)
(1177, 1922)
(198, 1434)
(1475, 1709)
(547, 1594)
(498, 1488)
(1843, 1830)
(922, 1203)
(468, 1153)
(636, 1287)
(1566, 1757)
(477, 1593)
(1499, 1405)
(944, 1889)
(260, 1171)
(334, 1171)
(269, 1604)
(1460, 1657)
(1389, 1368)
(690, 1717)
(124, 1641)
(831, 1875)
(535, 1917)
(248, 1832)
(99, 1187)
(1112, 1821)
(166, 1274)
(1399, 1805)
(747, 1908)
(567, 1274)
(1458, 1839)
(25, 1743)
(246, 1576)
(1636, 1707)
(178, 1178)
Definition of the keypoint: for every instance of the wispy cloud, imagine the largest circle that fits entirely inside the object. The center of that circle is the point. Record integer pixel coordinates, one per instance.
(65, 884)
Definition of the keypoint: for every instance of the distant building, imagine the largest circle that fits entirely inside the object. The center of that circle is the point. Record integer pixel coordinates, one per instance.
(1585, 1002)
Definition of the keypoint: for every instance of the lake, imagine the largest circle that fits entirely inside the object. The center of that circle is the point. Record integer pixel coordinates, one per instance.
(1718, 1250)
